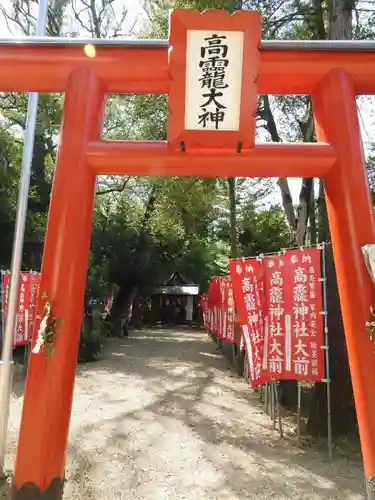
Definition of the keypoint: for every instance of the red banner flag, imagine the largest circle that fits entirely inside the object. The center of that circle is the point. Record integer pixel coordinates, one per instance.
(239, 270)
(35, 279)
(204, 309)
(213, 304)
(226, 309)
(231, 313)
(22, 332)
(307, 341)
(6, 279)
(223, 308)
(219, 305)
(222, 318)
(277, 322)
(27, 292)
(294, 331)
(209, 307)
(249, 295)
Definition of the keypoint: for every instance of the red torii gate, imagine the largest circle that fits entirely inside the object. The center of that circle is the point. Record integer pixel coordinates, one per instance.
(86, 71)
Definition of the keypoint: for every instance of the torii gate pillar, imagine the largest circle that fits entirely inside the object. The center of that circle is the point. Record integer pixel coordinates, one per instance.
(40, 462)
(351, 221)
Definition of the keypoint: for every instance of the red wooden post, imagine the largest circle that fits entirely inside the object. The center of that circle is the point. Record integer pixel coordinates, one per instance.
(41, 452)
(351, 222)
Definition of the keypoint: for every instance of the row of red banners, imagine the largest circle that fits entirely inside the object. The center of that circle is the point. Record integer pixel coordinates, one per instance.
(278, 305)
(29, 284)
(27, 296)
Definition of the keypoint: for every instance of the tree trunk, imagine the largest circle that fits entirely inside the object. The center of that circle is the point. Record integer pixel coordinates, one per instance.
(238, 355)
(340, 28)
(120, 309)
(323, 226)
(342, 403)
(304, 211)
(312, 211)
(237, 4)
(340, 14)
(136, 313)
(128, 289)
(307, 129)
(286, 197)
(287, 202)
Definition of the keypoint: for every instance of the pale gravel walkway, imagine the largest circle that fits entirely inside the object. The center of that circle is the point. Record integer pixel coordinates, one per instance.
(160, 417)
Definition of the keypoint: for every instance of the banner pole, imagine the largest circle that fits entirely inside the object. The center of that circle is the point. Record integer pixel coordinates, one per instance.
(299, 402)
(326, 349)
(278, 409)
(6, 363)
(27, 344)
(246, 370)
(261, 393)
(273, 410)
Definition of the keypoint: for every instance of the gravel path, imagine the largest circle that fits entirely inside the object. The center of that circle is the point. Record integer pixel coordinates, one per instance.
(161, 417)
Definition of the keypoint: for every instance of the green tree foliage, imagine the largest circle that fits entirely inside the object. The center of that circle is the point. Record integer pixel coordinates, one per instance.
(371, 172)
(263, 231)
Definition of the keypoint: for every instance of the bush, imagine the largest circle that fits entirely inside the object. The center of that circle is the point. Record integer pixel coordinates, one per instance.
(90, 345)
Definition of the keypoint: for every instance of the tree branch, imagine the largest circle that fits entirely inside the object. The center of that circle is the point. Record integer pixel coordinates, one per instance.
(114, 189)
(286, 197)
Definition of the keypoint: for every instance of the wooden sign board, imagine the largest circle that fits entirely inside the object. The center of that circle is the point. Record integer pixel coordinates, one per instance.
(213, 60)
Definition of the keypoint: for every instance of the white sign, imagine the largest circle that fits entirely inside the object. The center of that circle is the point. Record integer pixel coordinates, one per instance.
(213, 80)
(368, 252)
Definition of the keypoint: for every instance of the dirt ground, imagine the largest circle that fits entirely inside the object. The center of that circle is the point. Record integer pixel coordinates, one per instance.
(161, 417)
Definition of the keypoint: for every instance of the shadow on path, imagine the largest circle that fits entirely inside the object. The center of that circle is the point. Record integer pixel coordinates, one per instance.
(159, 393)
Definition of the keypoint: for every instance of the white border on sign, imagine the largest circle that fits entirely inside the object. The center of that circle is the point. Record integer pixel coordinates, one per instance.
(233, 77)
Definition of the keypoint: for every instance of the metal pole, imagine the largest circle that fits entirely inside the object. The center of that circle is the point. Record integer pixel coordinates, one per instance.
(299, 397)
(6, 363)
(27, 345)
(273, 412)
(266, 45)
(246, 369)
(326, 350)
(278, 408)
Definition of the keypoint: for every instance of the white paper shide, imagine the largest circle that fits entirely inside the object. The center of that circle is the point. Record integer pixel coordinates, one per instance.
(213, 80)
